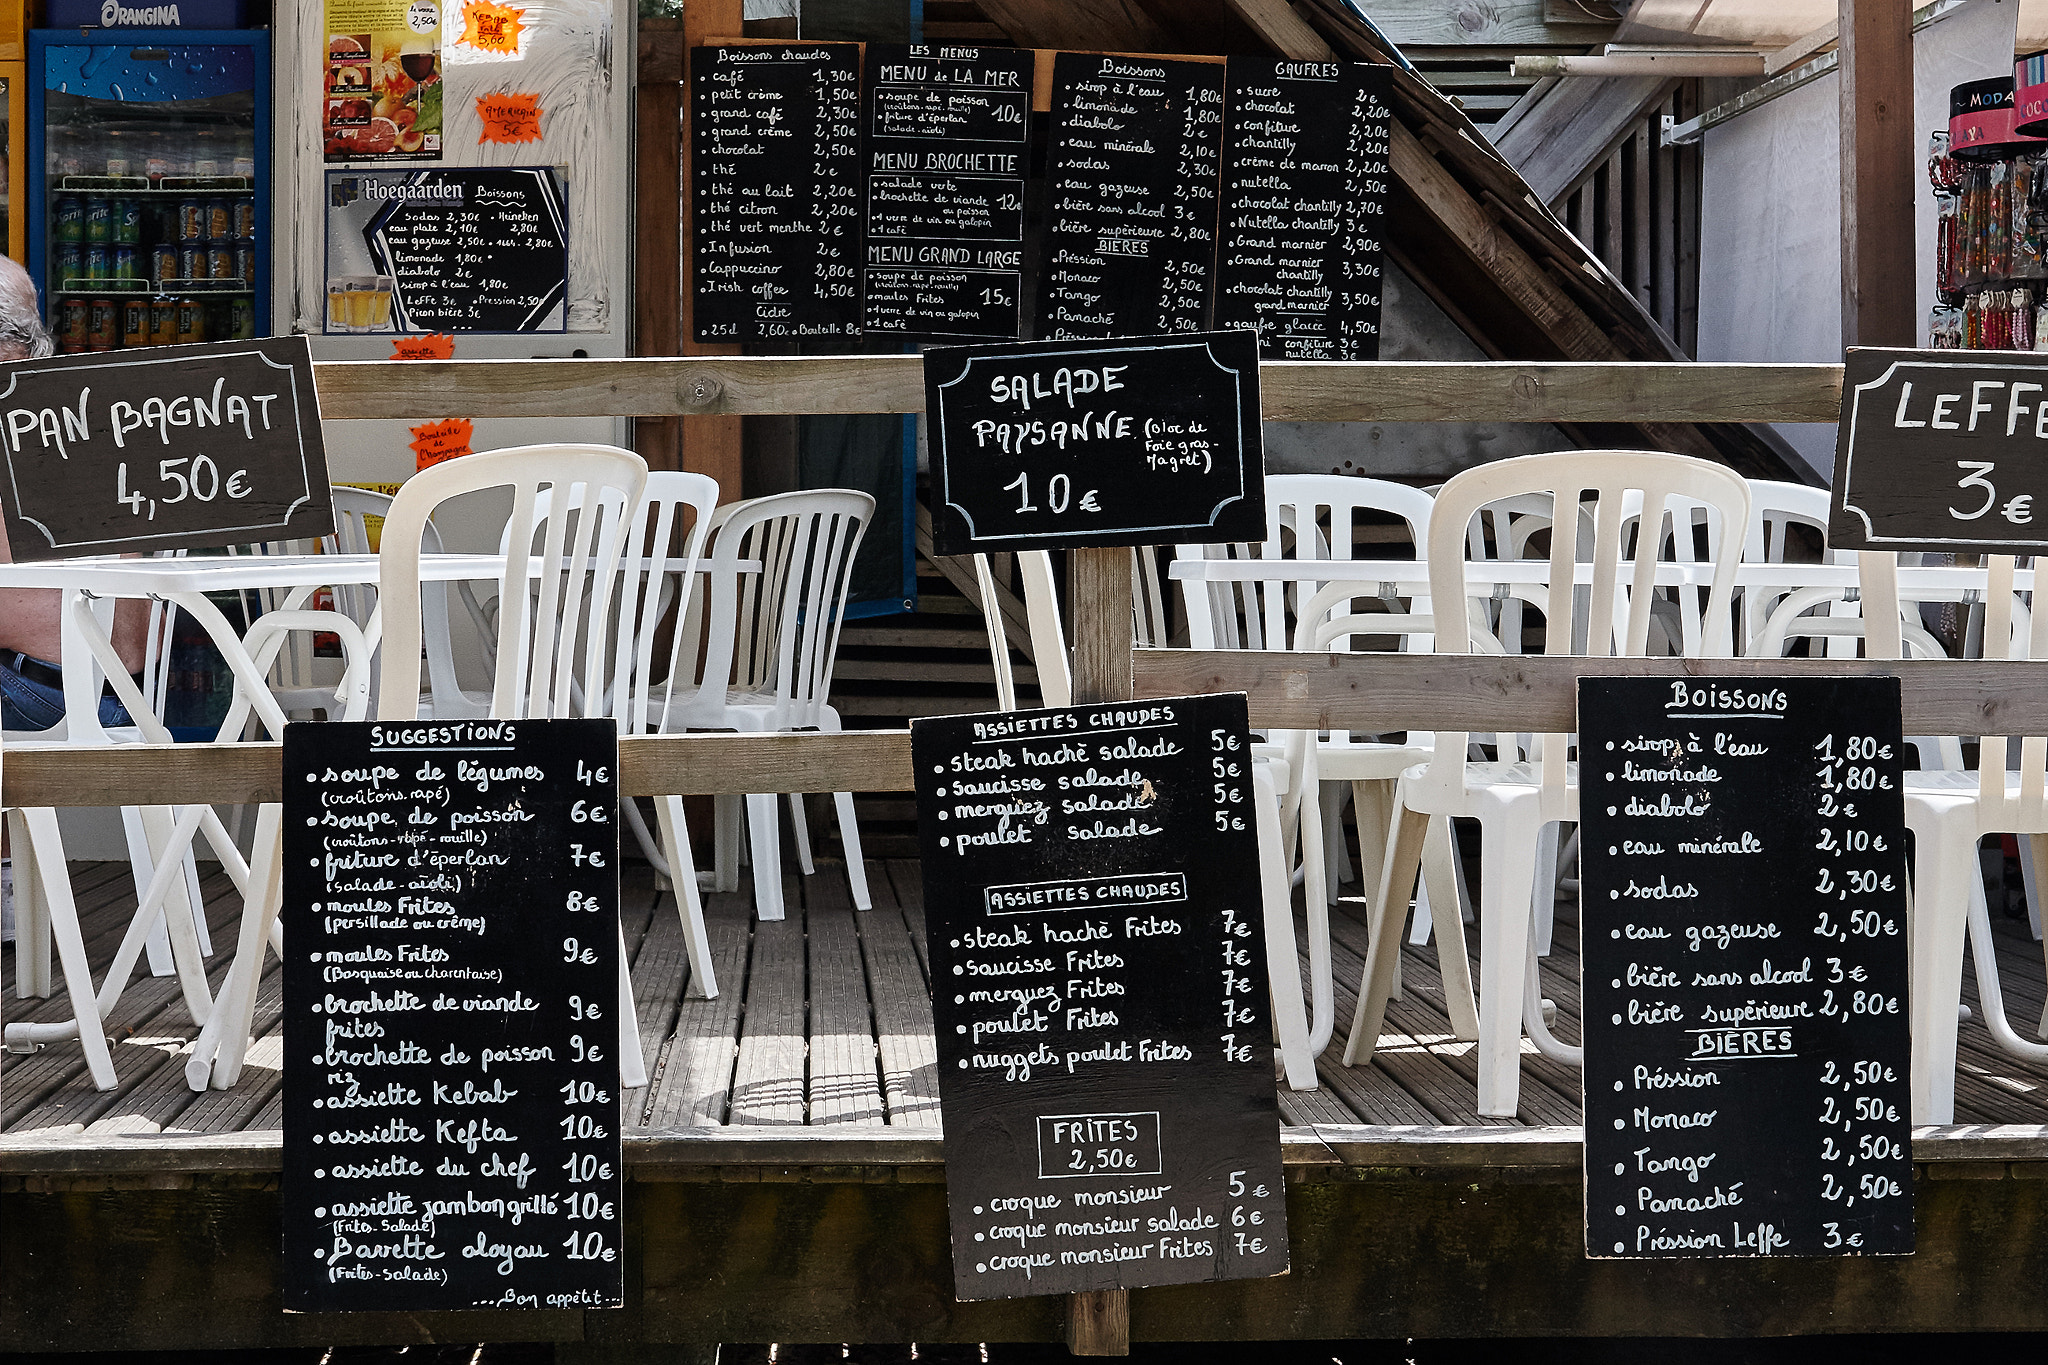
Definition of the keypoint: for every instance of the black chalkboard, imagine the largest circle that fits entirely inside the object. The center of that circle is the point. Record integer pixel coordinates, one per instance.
(1744, 950)
(1092, 907)
(451, 1084)
(948, 132)
(1130, 239)
(474, 250)
(1304, 206)
(1942, 450)
(1138, 441)
(776, 178)
(175, 447)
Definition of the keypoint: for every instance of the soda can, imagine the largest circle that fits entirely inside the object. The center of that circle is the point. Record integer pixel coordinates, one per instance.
(99, 220)
(96, 262)
(245, 218)
(163, 261)
(72, 325)
(70, 264)
(245, 261)
(163, 321)
(220, 262)
(191, 220)
(135, 323)
(191, 321)
(103, 326)
(244, 314)
(220, 220)
(128, 221)
(70, 225)
(124, 265)
(191, 262)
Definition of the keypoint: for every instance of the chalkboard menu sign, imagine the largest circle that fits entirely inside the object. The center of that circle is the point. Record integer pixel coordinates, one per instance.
(1942, 450)
(170, 448)
(483, 249)
(1747, 1050)
(776, 176)
(1092, 904)
(1304, 206)
(1141, 441)
(947, 143)
(451, 1123)
(1130, 240)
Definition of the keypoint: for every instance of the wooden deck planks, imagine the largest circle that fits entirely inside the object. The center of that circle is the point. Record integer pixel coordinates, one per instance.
(903, 1011)
(844, 1084)
(768, 1077)
(693, 1072)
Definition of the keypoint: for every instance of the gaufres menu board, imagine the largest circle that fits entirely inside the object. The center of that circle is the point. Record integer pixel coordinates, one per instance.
(948, 132)
(1744, 948)
(776, 180)
(1130, 241)
(451, 1122)
(477, 250)
(1097, 956)
(172, 448)
(1304, 205)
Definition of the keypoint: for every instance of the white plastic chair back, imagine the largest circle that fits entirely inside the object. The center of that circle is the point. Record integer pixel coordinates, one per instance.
(537, 671)
(1613, 618)
(672, 554)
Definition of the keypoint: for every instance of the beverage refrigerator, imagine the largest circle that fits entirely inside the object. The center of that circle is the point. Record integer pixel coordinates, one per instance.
(14, 128)
(149, 193)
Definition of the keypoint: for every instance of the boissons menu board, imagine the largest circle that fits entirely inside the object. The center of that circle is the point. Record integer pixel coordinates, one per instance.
(1304, 206)
(947, 149)
(172, 448)
(776, 177)
(1130, 240)
(1092, 909)
(1052, 444)
(451, 991)
(1744, 947)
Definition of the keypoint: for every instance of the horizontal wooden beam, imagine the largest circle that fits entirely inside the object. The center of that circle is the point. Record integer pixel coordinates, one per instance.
(1377, 692)
(1301, 391)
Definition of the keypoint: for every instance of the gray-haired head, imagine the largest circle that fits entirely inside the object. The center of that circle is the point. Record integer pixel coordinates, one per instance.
(22, 334)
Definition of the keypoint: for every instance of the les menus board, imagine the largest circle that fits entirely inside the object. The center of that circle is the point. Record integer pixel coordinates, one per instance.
(451, 1122)
(776, 173)
(1304, 206)
(1942, 450)
(483, 249)
(1130, 239)
(948, 130)
(1746, 1041)
(172, 448)
(1135, 441)
(1092, 902)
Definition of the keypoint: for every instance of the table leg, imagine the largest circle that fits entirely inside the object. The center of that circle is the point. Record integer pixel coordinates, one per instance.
(217, 1055)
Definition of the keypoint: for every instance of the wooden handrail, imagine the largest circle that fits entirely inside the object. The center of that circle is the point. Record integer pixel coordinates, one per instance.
(1301, 391)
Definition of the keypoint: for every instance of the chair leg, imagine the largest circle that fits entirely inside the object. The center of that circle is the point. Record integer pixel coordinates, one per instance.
(1283, 956)
(48, 846)
(764, 838)
(141, 867)
(1389, 911)
(224, 1042)
(726, 821)
(1945, 855)
(1315, 899)
(856, 862)
(800, 828)
(675, 843)
(31, 915)
(1369, 808)
(1337, 868)
(1506, 878)
(1543, 891)
(1440, 879)
(632, 1062)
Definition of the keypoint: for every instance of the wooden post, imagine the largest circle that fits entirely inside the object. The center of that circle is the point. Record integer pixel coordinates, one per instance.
(657, 222)
(1878, 173)
(710, 445)
(1099, 1322)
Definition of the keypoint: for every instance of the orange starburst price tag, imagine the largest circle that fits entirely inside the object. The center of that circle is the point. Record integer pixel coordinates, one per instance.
(508, 118)
(432, 346)
(434, 442)
(490, 27)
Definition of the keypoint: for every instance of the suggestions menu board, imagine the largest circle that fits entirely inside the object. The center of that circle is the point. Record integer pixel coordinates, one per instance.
(1747, 1049)
(451, 1122)
(947, 135)
(475, 250)
(1130, 242)
(1145, 441)
(1096, 943)
(775, 191)
(1304, 205)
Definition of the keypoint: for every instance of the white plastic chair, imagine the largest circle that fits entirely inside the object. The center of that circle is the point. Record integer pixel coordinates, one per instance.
(769, 643)
(1513, 801)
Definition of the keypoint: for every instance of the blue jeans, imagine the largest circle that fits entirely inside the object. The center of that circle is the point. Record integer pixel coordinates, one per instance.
(29, 705)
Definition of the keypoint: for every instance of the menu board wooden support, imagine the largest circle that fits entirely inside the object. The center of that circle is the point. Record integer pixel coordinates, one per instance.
(657, 264)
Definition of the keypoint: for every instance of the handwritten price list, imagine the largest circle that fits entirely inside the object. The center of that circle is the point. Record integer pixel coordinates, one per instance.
(1304, 206)
(776, 172)
(1100, 995)
(1747, 1049)
(451, 984)
(948, 131)
(1130, 242)
(472, 250)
